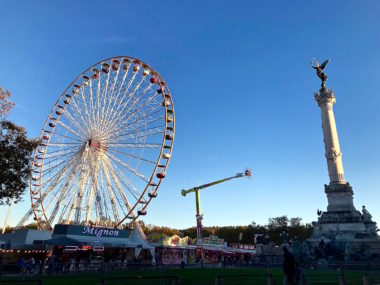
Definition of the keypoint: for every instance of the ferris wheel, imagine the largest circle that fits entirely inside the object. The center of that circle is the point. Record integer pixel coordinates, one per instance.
(104, 148)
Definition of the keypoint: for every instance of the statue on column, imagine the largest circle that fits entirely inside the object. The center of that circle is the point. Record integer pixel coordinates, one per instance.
(367, 217)
(319, 69)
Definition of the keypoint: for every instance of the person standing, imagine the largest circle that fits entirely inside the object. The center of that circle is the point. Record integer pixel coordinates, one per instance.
(289, 267)
(32, 264)
(51, 263)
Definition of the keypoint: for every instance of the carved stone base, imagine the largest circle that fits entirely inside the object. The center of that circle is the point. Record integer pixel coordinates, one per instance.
(344, 222)
(350, 227)
(340, 197)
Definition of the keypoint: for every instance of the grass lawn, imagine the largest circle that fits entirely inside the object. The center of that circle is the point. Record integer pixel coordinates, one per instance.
(205, 276)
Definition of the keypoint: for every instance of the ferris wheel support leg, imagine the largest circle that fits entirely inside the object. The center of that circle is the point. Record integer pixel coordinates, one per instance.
(8, 215)
(140, 230)
(111, 193)
(89, 206)
(83, 180)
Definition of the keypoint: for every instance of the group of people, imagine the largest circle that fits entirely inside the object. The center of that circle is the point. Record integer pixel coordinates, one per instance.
(31, 266)
(26, 265)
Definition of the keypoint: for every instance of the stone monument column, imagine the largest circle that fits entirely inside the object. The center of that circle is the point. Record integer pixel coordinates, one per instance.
(339, 192)
(341, 221)
(326, 99)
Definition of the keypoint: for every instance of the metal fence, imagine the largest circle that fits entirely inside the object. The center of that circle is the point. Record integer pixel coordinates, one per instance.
(20, 282)
(328, 279)
(242, 279)
(371, 278)
(141, 280)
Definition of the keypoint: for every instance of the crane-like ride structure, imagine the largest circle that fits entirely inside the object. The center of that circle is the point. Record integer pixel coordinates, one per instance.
(199, 215)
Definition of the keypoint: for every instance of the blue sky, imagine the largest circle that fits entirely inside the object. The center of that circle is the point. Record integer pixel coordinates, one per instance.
(242, 88)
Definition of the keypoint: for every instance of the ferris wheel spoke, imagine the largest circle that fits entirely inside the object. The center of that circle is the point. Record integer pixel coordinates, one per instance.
(126, 166)
(129, 85)
(123, 115)
(94, 169)
(61, 174)
(92, 104)
(121, 193)
(133, 93)
(59, 153)
(70, 129)
(79, 114)
(136, 122)
(66, 207)
(89, 204)
(99, 204)
(116, 180)
(64, 195)
(68, 137)
(84, 176)
(116, 172)
(141, 138)
(97, 105)
(111, 97)
(74, 122)
(64, 168)
(65, 191)
(118, 112)
(57, 159)
(115, 100)
(133, 156)
(111, 194)
(143, 132)
(104, 103)
(50, 170)
(134, 145)
(57, 179)
(60, 144)
(56, 151)
(129, 115)
(103, 196)
(89, 118)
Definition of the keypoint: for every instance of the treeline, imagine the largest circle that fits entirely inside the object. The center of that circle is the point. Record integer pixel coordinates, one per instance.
(277, 229)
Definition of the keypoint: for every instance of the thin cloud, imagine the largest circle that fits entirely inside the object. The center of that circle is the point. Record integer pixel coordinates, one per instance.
(33, 114)
(83, 41)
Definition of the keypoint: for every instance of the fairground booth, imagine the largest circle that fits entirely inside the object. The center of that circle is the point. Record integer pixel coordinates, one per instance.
(76, 244)
(175, 250)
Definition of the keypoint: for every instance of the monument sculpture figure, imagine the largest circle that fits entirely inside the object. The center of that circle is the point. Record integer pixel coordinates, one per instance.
(319, 69)
(341, 221)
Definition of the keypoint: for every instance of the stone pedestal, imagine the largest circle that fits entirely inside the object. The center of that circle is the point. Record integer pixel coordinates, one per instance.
(339, 197)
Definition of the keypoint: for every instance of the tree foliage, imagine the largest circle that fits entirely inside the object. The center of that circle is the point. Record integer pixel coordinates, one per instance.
(5, 104)
(15, 155)
(277, 229)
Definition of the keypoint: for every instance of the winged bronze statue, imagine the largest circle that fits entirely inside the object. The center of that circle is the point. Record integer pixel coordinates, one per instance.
(319, 69)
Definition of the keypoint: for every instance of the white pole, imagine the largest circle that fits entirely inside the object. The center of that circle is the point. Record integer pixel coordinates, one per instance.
(9, 213)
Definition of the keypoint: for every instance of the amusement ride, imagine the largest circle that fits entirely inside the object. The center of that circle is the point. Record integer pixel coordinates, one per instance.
(199, 215)
(104, 147)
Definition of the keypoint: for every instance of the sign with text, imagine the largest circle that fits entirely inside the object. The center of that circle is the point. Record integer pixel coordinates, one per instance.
(89, 231)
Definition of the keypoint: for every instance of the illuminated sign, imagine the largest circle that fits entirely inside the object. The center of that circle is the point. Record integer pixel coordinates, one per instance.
(77, 230)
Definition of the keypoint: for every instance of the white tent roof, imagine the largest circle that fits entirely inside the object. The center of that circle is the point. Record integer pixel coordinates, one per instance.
(135, 238)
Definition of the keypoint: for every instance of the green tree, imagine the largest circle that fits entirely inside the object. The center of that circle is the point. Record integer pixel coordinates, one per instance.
(15, 154)
(5, 104)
